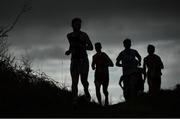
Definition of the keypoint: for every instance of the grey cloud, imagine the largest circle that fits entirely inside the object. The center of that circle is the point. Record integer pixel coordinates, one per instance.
(54, 12)
(108, 21)
(53, 52)
(35, 36)
(115, 31)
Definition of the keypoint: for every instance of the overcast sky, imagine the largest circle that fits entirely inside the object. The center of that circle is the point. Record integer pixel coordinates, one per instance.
(41, 33)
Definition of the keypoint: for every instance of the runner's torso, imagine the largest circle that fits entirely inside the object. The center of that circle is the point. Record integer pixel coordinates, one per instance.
(101, 62)
(78, 45)
(129, 61)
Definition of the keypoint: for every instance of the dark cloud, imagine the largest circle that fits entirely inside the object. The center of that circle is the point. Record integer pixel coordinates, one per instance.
(109, 22)
(53, 12)
(104, 20)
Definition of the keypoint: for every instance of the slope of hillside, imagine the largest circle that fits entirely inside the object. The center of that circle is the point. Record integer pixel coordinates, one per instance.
(26, 94)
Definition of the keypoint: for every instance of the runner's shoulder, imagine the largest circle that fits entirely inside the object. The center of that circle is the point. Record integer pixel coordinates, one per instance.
(69, 34)
(134, 51)
(104, 54)
(83, 33)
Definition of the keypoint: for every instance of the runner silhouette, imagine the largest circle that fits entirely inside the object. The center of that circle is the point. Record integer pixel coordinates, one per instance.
(129, 59)
(154, 65)
(79, 43)
(100, 63)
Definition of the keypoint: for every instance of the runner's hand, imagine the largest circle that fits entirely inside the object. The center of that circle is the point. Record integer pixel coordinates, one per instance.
(93, 67)
(67, 52)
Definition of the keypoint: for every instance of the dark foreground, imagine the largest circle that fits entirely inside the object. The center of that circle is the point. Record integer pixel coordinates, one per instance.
(25, 94)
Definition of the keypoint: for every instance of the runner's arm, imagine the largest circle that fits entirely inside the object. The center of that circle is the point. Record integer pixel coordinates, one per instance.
(93, 63)
(144, 69)
(120, 82)
(68, 52)
(89, 45)
(139, 58)
(109, 61)
(118, 59)
(161, 64)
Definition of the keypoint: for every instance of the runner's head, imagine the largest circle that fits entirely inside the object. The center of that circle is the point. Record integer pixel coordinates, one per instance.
(127, 43)
(151, 49)
(98, 47)
(76, 24)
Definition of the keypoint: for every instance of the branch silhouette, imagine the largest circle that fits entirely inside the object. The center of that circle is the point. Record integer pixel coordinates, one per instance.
(4, 30)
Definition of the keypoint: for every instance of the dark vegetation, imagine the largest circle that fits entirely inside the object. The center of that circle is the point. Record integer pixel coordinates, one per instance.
(30, 94)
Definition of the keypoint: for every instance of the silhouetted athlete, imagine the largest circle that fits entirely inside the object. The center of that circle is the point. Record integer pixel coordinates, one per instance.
(140, 81)
(79, 42)
(154, 65)
(100, 63)
(130, 60)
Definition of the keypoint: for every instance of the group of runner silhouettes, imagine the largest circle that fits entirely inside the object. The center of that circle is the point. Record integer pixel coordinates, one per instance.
(133, 76)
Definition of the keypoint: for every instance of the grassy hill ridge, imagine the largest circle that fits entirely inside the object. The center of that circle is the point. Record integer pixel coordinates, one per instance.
(27, 94)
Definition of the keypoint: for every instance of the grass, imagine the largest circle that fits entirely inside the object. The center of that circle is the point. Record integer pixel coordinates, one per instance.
(30, 94)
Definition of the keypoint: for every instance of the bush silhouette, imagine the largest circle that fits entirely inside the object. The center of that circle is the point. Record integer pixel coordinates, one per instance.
(31, 94)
